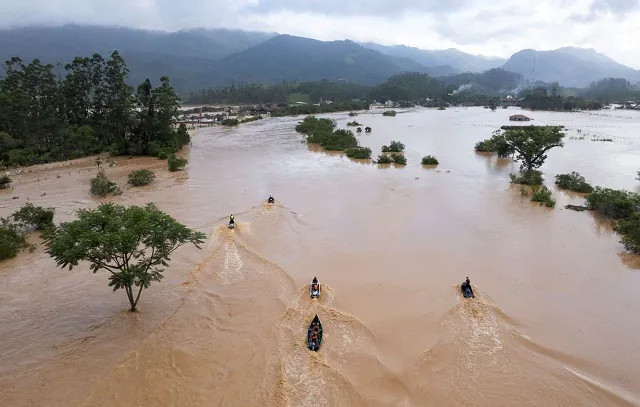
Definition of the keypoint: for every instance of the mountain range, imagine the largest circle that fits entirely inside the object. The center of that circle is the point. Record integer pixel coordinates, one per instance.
(199, 58)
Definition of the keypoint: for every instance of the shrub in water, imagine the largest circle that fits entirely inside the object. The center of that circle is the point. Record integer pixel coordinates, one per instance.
(384, 159)
(389, 113)
(543, 196)
(573, 182)
(630, 230)
(368, 130)
(230, 122)
(533, 177)
(141, 177)
(101, 186)
(354, 124)
(12, 239)
(359, 129)
(399, 159)
(5, 181)
(429, 160)
(613, 203)
(176, 163)
(394, 147)
(34, 217)
(358, 152)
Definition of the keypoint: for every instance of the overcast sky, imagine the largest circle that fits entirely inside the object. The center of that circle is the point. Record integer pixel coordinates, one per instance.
(489, 27)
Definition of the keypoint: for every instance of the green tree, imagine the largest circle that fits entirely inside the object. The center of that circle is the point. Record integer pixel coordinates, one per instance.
(531, 143)
(133, 244)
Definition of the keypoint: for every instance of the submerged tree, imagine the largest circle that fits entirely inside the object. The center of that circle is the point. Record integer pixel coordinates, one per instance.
(132, 243)
(531, 144)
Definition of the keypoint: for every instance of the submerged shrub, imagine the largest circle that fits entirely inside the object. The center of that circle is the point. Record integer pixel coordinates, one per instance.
(5, 181)
(429, 160)
(629, 229)
(544, 196)
(354, 124)
(399, 159)
(34, 217)
(102, 186)
(394, 147)
(12, 239)
(533, 177)
(358, 152)
(176, 163)
(230, 122)
(389, 113)
(573, 182)
(384, 159)
(141, 177)
(613, 203)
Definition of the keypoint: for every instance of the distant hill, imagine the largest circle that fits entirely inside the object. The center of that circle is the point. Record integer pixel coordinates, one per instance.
(287, 57)
(569, 66)
(455, 60)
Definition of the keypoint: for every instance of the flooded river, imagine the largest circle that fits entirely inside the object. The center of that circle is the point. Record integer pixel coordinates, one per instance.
(554, 321)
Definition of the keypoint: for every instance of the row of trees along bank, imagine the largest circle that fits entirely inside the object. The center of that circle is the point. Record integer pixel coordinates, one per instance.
(90, 109)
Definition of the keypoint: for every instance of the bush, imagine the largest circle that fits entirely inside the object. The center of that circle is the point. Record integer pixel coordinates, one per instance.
(354, 124)
(359, 129)
(394, 147)
(5, 181)
(399, 159)
(496, 144)
(429, 160)
(384, 159)
(338, 140)
(543, 196)
(141, 177)
(12, 239)
(391, 113)
(34, 217)
(230, 122)
(616, 204)
(358, 152)
(176, 163)
(629, 229)
(533, 177)
(573, 182)
(101, 186)
(311, 124)
(368, 130)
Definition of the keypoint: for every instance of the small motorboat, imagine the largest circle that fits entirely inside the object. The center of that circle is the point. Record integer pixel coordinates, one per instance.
(314, 292)
(466, 289)
(314, 335)
(232, 225)
(271, 200)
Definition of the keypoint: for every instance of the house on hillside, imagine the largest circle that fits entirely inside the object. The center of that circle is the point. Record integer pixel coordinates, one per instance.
(519, 118)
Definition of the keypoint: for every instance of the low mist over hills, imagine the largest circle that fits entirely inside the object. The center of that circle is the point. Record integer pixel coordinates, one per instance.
(200, 58)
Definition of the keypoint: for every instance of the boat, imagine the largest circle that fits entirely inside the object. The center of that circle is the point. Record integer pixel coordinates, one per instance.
(314, 293)
(467, 291)
(271, 200)
(314, 343)
(232, 225)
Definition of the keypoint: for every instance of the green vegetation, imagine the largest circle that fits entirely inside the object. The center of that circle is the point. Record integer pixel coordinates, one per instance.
(141, 177)
(573, 182)
(176, 163)
(358, 152)
(368, 130)
(533, 178)
(496, 144)
(354, 124)
(46, 117)
(251, 119)
(321, 131)
(230, 122)
(399, 159)
(391, 113)
(629, 229)
(5, 181)
(353, 114)
(638, 177)
(543, 195)
(14, 229)
(34, 217)
(101, 185)
(612, 203)
(541, 99)
(393, 147)
(429, 160)
(133, 244)
(384, 159)
(624, 208)
(359, 130)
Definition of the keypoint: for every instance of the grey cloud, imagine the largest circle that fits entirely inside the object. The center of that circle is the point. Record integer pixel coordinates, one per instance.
(378, 8)
(617, 7)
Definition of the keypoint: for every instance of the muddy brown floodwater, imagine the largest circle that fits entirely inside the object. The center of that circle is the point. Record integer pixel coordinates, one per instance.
(554, 321)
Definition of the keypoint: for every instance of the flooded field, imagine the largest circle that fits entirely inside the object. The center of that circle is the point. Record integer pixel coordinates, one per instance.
(553, 322)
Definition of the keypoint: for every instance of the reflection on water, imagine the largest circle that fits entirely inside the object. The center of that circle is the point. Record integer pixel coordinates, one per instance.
(549, 324)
